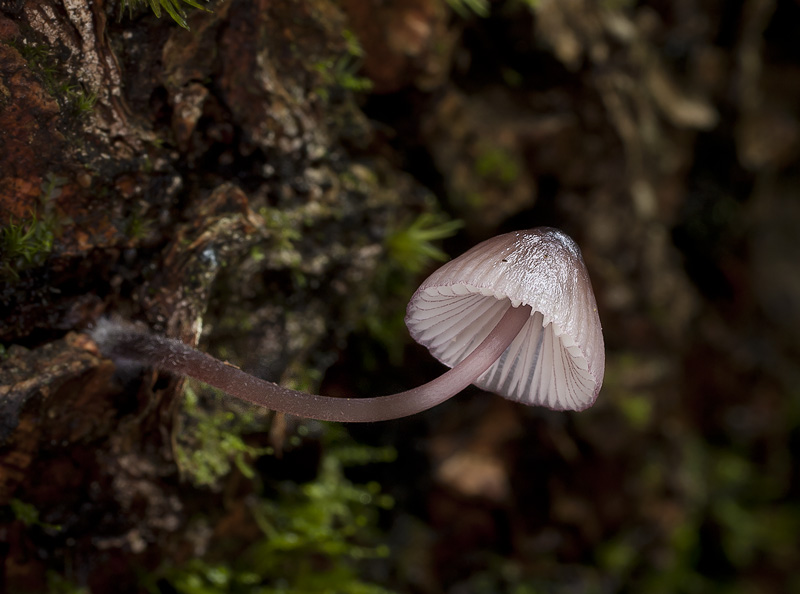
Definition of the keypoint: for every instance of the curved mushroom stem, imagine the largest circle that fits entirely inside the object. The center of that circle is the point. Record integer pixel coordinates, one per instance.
(120, 341)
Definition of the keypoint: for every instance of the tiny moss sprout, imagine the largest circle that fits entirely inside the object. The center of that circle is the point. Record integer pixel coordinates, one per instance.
(138, 227)
(342, 72)
(353, 44)
(83, 101)
(412, 246)
(410, 249)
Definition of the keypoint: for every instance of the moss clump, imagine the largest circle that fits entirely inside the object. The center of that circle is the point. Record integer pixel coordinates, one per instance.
(209, 444)
(72, 97)
(315, 536)
(27, 243)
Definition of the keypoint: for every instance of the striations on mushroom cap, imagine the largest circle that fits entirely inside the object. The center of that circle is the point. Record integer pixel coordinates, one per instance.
(558, 358)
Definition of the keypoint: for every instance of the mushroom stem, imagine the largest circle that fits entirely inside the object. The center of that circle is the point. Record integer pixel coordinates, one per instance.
(120, 341)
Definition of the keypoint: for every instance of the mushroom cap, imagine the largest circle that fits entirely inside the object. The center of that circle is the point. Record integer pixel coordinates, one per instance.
(558, 358)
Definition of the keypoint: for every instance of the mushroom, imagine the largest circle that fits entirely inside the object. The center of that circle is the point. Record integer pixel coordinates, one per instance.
(515, 315)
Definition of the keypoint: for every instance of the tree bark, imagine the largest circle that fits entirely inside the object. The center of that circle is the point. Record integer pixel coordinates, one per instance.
(179, 178)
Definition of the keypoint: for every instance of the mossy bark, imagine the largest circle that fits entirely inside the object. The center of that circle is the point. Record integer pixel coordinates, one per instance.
(224, 186)
(220, 178)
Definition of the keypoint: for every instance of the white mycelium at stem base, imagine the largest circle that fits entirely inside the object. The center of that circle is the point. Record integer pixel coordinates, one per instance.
(515, 315)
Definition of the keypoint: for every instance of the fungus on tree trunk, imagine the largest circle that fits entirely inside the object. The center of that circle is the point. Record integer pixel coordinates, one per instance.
(515, 315)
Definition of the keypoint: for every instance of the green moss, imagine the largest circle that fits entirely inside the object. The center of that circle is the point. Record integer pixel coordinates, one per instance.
(470, 200)
(72, 97)
(637, 410)
(209, 444)
(28, 514)
(329, 518)
(57, 584)
(83, 101)
(25, 512)
(302, 378)
(466, 8)
(497, 165)
(283, 227)
(315, 535)
(26, 243)
(138, 227)
(257, 253)
(341, 72)
(511, 77)
(174, 8)
(618, 555)
(354, 47)
(412, 248)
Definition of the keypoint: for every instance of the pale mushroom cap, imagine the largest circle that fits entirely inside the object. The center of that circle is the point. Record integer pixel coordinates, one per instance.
(558, 358)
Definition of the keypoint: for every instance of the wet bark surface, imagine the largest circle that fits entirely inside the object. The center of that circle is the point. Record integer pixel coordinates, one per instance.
(261, 184)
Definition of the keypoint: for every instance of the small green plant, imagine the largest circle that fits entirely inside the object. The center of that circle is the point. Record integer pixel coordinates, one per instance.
(173, 8)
